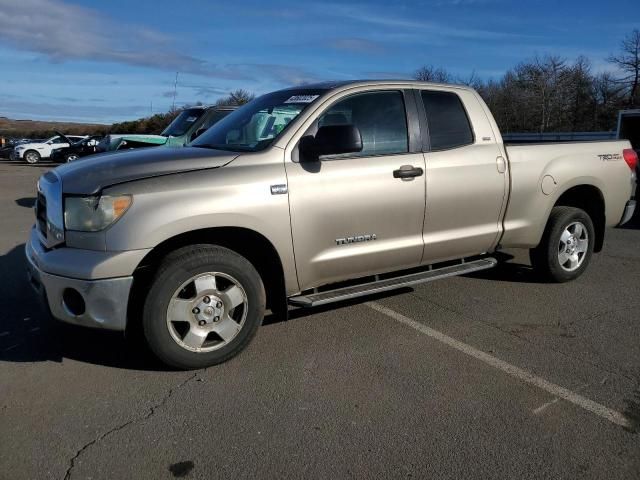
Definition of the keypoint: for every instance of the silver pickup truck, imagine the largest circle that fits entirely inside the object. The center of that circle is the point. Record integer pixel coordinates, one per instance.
(307, 196)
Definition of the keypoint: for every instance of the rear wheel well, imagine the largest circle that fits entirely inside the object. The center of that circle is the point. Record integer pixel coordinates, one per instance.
(248, 243)
(591, 200)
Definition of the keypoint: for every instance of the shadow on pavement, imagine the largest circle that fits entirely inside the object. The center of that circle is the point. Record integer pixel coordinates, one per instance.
(26, 202)
(634, 223)
(301, 313)
(22, 163)
(28, 334)
(508, 272)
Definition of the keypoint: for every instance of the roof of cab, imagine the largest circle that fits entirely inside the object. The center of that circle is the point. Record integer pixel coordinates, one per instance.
(331, 85)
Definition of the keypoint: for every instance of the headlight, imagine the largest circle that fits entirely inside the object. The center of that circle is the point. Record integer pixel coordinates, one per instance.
(92, 214)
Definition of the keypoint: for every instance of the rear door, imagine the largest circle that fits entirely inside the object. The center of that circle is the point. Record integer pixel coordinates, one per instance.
(350, 216)
(467, 181)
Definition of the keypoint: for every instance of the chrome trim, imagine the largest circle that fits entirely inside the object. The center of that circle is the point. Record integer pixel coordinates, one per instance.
(50, 186)
(378, 286)
(629, 209)
(280, 189)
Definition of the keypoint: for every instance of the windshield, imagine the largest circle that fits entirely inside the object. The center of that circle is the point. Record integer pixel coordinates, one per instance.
(254, 126)
(183, 122)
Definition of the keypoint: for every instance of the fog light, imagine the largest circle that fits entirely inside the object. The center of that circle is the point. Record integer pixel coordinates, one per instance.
(73, 302)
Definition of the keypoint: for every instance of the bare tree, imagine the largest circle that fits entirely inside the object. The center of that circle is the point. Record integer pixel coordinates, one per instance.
(236, 97)
(628, 60)
(473, 81)
(429, 73)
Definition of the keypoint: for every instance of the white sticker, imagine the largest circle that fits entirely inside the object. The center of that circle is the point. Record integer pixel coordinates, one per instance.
(191, 119)
(302, 99)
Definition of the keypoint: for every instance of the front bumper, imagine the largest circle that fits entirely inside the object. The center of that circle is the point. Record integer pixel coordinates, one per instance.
(629, 209)
(104, 301)
(14, 155)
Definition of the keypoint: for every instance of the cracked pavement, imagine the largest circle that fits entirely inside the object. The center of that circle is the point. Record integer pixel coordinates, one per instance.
(335, 392)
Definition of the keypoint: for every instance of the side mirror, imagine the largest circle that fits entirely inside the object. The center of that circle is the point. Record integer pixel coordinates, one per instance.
(331, 140)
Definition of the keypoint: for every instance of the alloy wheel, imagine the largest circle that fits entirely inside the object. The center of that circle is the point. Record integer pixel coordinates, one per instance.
(207, 312)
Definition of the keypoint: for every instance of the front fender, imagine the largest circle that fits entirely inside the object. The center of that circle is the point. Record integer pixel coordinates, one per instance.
(238, 195)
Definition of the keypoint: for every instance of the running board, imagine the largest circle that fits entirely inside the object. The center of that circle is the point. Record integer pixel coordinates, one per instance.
(347, 293)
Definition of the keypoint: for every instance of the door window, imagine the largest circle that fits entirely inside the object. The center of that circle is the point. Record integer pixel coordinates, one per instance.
(448, 122)
(380, 117)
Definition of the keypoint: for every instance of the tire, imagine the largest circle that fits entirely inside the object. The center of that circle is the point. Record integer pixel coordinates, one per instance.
(197, 332)
(566, 246)
(71, 157)
(31, 156)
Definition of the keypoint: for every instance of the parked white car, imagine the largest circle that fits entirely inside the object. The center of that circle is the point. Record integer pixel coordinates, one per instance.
(34, 152)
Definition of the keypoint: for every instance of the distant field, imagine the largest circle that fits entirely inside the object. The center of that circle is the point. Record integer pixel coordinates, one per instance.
(35, 129)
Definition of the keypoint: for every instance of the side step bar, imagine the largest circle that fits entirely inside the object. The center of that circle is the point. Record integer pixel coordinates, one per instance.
(346, 293)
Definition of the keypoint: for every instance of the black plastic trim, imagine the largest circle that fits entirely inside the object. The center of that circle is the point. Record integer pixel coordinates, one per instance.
(413, 121)
(424, 124)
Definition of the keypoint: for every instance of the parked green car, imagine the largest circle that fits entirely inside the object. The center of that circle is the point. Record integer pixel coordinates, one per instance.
(187, 126)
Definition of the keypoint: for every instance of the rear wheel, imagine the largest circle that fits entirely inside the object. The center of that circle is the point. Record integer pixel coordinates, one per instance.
(31, 156)
(70, 157)
(204, 307)
(566, 246)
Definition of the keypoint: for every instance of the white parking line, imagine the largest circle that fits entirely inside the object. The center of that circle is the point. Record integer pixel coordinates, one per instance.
(546, 405)
(528, 377)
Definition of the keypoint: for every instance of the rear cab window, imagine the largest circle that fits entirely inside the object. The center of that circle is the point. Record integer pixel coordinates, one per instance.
(447, 120)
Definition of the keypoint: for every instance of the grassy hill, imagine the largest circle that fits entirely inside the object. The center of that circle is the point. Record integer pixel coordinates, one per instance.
(40, 129)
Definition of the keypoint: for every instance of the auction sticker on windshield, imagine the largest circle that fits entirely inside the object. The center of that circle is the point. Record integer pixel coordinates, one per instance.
(302, 99)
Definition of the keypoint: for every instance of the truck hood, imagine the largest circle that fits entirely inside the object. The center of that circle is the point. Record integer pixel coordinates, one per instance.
(89, 175)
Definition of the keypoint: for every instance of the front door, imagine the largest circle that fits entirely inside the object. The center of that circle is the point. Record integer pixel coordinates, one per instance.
(351, 216)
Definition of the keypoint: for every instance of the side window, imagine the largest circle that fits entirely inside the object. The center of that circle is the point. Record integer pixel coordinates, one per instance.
(380, 117)
(214, 118)
(448, 122)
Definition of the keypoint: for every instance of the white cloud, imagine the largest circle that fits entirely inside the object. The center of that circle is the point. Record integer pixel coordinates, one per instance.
(70, 32)
(364, 13)
(64, 32)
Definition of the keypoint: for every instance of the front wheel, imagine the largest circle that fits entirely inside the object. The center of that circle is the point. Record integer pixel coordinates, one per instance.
(566, 246)
(71, 157)
(32, 157)
(204, 307)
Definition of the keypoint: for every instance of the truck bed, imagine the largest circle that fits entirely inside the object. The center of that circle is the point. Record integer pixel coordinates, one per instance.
(555, 168)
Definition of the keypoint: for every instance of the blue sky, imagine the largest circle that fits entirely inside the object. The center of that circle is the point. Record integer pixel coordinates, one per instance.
(113, 60)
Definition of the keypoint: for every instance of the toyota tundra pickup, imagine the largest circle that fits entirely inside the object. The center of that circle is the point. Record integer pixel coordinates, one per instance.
(307, 196)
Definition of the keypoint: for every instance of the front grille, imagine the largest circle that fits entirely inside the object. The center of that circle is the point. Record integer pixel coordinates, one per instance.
(41, 214)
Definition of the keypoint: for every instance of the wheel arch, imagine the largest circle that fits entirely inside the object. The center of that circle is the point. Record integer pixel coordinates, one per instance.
(589, 198)
(253, 246)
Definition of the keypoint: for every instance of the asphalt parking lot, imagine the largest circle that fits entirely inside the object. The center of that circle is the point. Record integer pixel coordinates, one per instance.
(492, 375)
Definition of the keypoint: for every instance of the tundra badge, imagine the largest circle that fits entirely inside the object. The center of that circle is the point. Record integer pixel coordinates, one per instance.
(355, 239)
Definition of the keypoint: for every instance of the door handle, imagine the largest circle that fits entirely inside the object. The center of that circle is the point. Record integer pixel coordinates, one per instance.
(407, 172)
